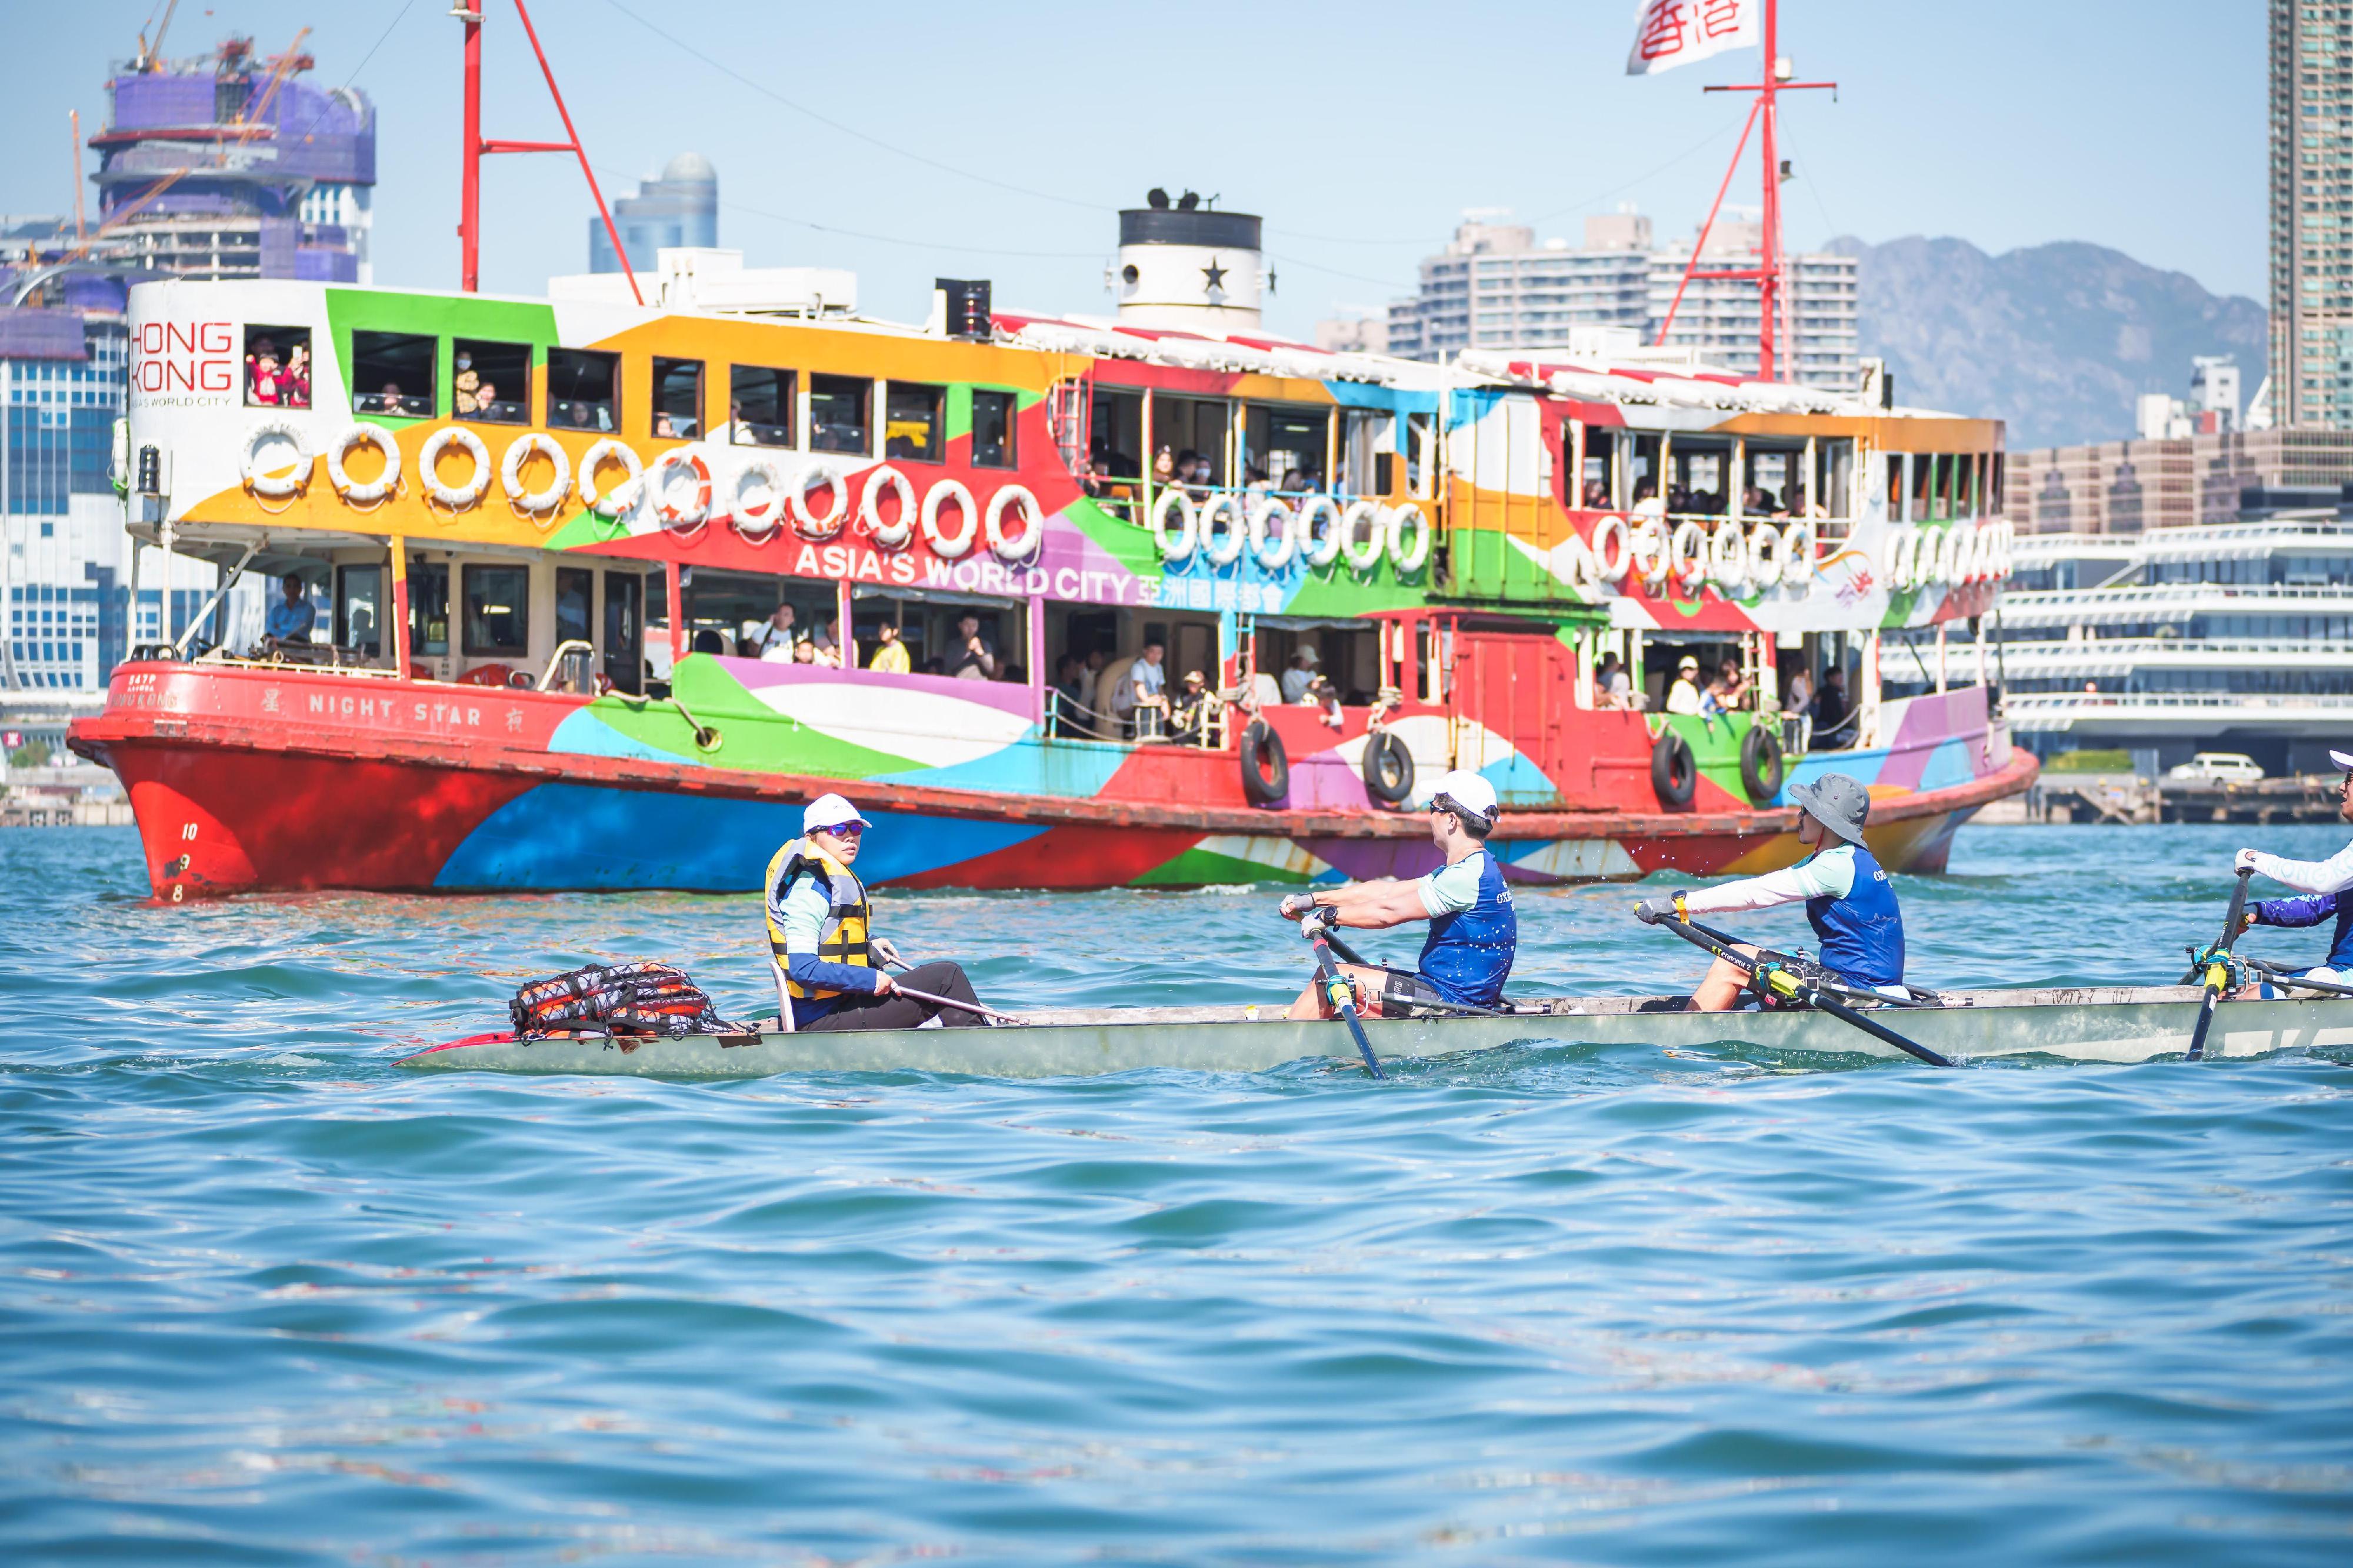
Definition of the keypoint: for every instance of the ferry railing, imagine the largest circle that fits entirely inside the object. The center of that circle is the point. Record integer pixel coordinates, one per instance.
(1070, 719)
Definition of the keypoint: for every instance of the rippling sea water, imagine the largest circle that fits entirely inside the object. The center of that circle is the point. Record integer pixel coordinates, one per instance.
(268, 1300)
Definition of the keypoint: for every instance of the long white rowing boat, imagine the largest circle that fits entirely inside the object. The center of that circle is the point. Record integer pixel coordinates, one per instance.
(2093, 1024)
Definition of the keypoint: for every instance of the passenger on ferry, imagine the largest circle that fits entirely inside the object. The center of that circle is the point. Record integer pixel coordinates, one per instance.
(890, 653)
(1146, 684)
(821, 933)
(1849, 900)
(773, 641)
(1164, 468)
(1798, 691)
(1682, 697)
(1189, 711)
(464, 384)
(1324, 698)
(1300, 675)
(2326, 886)
(1597, 495)
(1473, 931)
(1831, 707)
(291, 618)
(1646, 500)
(294, 381)
(974, 658)
(1617, 685)
(829, 651)
(804, 652)
(261, 373)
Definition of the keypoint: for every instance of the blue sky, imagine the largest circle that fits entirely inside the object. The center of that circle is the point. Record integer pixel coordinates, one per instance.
(1360, 130)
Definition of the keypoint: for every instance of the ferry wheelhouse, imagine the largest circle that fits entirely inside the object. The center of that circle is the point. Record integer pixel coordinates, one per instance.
(538, 531)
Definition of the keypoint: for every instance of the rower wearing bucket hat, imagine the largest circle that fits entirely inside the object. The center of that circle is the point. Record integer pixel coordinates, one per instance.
(1474, 932)
(2326, 886)
(1848, 899)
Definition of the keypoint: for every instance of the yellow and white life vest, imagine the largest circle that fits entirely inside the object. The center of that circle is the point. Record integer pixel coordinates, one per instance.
(847, 920)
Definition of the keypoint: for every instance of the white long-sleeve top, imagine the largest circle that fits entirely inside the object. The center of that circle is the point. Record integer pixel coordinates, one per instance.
(2333, 875)
(1830, 872)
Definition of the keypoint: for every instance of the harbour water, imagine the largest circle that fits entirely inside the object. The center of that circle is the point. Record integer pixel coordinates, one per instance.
(268, 1299)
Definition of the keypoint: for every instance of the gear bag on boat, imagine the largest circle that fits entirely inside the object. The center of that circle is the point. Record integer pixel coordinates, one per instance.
(641, 998)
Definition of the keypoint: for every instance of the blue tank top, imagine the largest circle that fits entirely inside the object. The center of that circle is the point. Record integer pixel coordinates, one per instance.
(1862, 934)
(1469, 953)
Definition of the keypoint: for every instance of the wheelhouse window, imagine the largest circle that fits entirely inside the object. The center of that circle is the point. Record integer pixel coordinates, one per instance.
(277, 366)
(838, 408)
(1193, 428)
(490, 384)
(391, 373)
(911, 422)
(359, 609)
(582, 386)
(677, 399)
(498, 611)
(575, 596)
(428, 608)
(760, 405)
(1601, 492)
(625, 593)
(992, 430)
(1116, 436)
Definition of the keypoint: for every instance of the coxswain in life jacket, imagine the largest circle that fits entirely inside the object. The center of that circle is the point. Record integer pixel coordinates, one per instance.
(1849, 898)
(1475, 932)
(849, 917)
(2328, 886)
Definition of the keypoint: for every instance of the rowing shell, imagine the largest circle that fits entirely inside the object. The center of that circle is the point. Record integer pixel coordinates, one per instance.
(2113, 1024)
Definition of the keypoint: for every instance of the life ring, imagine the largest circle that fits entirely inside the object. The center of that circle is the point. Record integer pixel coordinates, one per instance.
(1971, 568)
(809, 525)
(1613, 548)
(1318, 550)
(950, 546)
(275, 486)
(519, 451)
(869, 507)
(1727, 557)
(1797, 542)
(1180, 545)
(1033, 525)
(1222, 549)
(756, 522)
(1898, 556)
(1688, 561)
(377, 488)
(1944, 544)
(1272, 546)
(1388, 768)
(457, 497)
(1674, 772)
(697, 510)
(622, 497)
(1761, 763)
(1407, 561)
(1764, 556)
(1266, 767)
(1651, 548)
(1360, 546)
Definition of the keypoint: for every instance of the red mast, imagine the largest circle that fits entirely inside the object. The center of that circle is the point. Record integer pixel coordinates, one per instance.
(1767, 273)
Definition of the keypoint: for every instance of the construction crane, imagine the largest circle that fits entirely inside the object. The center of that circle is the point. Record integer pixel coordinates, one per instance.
(150, 57)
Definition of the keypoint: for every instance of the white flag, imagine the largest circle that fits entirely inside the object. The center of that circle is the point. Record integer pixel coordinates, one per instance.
(1670, 33)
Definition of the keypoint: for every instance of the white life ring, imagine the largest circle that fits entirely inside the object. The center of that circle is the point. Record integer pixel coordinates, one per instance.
(457, 497)
(1613, 548)
(1650, 550)
(1272, 541)
(1180, 545)
(697, 510)
(1033, 525)
(519, 451)
(948, 547)
(1798, 542)
(869, 507)
(342, 446)
(1899, 555)
(1360, 546)
(1403, 559)
(1318, 550)
(755, 521)
(826, 476)
(1765, 553)
(275, 486)
(2005, 537)
(1941, 543)
(622, 497)
(1222, 549)
(1687, 554)
(1728, 557)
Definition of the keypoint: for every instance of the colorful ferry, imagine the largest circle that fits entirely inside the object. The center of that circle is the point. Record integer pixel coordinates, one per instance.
(545, 540)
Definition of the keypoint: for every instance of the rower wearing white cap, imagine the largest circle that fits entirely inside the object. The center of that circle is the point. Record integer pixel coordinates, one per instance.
(1473, 932)
(820, 933)
(2329, 883)
(1847, 895)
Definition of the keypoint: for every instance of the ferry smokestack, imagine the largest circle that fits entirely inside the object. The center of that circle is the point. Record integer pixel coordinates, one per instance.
(1187, 265)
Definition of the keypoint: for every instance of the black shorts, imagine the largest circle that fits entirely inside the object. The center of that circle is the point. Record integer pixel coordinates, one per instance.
(1405, 995)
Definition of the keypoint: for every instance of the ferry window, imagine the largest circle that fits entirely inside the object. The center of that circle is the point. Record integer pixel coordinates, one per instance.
(277, 366)
(1895, 461)
(1994, 484)
(911, 422)
(498, 610)
(359, 608)
(428, 608)
(992, 430)
(575, 590)
(1923, 488)
(1286, 444)
(759, 407)
(838, 410)
(581, 383)
(1600, 470)
(677, 399)
(1420, 452)
(625, 593)
(1115, 435)
(1192, 427)
(391, 373)
(1833, 475)
(492, 381)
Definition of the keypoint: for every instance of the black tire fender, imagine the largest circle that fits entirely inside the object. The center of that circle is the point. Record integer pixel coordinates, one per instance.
(1266, 766)
(1761, 764)
(1674, 772)
(1388, 769)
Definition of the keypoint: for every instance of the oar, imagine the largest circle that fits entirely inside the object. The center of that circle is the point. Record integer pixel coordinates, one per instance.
(2217, 970)
(2281, 975)
(1918, 999)
(1805, 993)
(1336, 987)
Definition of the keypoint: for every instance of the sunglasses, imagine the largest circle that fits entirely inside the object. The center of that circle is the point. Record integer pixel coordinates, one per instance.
(847, 830)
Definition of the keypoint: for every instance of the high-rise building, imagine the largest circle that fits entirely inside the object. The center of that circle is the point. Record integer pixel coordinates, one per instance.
(2312, 213)
(679, 210)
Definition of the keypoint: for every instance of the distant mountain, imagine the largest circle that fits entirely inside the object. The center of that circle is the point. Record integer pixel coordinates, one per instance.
(2056, 339)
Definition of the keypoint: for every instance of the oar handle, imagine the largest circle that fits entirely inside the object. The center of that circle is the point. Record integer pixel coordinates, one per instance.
(951, 1002)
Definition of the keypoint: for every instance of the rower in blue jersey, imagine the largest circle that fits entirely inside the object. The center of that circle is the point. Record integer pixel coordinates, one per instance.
(1848, 899)
(2326, 886)
(1474, 934)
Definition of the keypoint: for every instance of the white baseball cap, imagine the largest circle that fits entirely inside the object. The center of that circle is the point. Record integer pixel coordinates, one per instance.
(2342, 761)
(830, 811)
(1468, 790)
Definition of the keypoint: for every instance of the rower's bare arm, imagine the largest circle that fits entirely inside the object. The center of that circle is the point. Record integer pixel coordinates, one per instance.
(1376, 906)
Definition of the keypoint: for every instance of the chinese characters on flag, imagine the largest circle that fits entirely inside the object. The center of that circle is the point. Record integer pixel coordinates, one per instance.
(1670, 33)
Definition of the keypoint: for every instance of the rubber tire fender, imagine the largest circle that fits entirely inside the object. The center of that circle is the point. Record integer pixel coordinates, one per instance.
(1674, 772)
(1388, 769)
(1761, 764)
(1266, 766)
